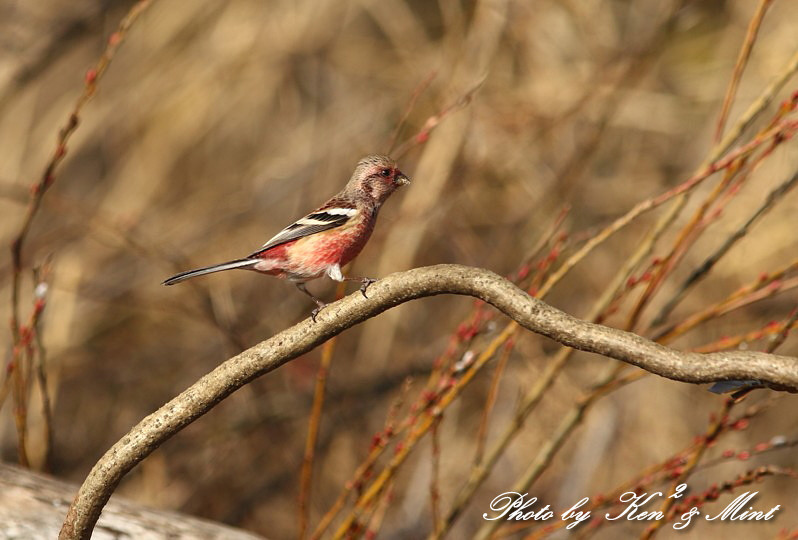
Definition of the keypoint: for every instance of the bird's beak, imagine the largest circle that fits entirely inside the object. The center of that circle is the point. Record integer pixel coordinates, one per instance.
(401, 179)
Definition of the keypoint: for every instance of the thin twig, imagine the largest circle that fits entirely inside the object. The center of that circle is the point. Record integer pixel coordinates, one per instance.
(433, 121)
(715, 428)
(684, 239)
(41, 278)
(378, 516)
(783, 130)
(434, 485)
(379, 443)
(48, 177)
(765, 285)
(550, 447)
(698, 223)
(704, 268)
(306, 474)
(482, 432)
(19, 333)
(553, 368)
(417, 91)
(739, 66)
(732, 342)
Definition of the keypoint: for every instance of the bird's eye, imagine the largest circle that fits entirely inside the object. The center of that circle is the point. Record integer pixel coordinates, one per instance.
(385, 172)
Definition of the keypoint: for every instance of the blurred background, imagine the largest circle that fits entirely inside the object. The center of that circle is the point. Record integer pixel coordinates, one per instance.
(219, 122)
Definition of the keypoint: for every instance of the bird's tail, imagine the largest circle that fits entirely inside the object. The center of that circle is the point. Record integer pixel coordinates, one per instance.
(182, 276)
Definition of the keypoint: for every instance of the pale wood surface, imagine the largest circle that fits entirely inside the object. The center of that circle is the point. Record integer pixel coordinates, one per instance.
(33, 506)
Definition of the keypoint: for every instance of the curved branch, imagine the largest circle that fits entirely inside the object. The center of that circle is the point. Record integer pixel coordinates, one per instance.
(779, 372)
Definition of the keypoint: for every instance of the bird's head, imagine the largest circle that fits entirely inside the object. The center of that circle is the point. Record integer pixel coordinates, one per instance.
(376, 177)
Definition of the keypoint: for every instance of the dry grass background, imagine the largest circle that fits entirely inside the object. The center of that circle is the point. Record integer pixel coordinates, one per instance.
(219, 122)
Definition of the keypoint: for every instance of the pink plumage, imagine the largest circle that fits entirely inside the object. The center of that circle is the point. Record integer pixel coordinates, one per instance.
(326, 239)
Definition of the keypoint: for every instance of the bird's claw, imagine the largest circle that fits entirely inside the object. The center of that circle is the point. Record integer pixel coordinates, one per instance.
(317, 311)
(365, 285)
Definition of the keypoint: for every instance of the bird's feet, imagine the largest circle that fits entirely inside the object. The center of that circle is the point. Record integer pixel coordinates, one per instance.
(364, 284)
(321, 305)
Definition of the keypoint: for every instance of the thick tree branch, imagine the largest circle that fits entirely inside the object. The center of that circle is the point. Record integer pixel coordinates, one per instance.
(779, 372)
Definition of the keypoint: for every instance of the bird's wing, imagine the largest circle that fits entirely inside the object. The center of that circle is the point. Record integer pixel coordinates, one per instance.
(323, 219)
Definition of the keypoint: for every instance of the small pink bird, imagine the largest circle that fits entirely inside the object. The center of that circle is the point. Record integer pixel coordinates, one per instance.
(327, 238)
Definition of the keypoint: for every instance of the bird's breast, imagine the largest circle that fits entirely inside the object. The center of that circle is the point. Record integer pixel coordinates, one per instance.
(336, 246)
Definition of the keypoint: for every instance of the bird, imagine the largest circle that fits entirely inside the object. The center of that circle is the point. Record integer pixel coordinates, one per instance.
(326, 239)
